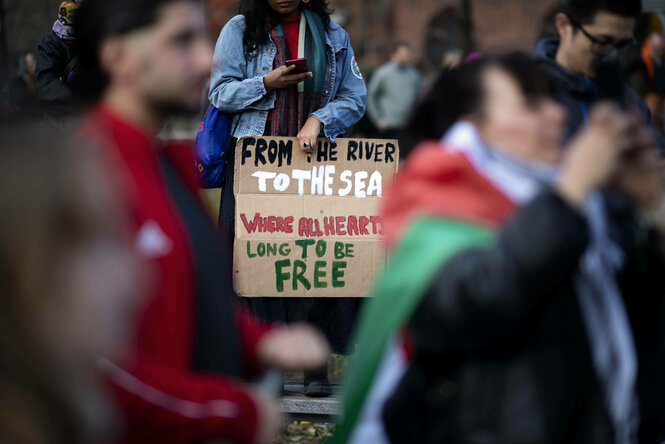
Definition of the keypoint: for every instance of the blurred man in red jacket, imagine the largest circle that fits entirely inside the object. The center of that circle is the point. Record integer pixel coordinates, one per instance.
(145, 61)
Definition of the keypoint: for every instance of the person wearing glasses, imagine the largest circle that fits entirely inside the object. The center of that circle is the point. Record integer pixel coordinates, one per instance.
(590, 31)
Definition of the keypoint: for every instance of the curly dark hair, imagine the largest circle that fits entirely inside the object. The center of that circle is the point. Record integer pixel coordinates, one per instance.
(260, 17)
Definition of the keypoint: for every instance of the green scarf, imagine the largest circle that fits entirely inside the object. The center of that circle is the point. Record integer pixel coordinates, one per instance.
(295, 104)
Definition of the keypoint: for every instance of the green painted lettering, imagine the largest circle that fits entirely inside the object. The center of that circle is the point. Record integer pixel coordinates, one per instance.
(284, 249)
(320, 274)
(281, 275)
(349, 250)
(337, 274)
(249, 251)
(339, 250)
(299, 268)
(304, 243)
(321, 248)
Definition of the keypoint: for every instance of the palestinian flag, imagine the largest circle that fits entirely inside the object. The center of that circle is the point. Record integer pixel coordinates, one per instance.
(438, 206)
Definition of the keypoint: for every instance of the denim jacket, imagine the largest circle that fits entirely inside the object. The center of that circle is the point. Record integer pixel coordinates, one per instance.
(236, 84)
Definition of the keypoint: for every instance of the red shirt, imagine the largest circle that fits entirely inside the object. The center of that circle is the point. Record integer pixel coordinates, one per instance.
(162, 398)
(291, 27)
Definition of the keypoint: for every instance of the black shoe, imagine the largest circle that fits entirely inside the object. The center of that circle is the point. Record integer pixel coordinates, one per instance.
(317, 388)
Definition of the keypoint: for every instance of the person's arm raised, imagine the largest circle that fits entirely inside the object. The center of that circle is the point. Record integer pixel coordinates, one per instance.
(593, 155)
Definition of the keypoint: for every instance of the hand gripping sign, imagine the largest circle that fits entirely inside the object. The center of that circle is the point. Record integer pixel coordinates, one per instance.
(307, 225)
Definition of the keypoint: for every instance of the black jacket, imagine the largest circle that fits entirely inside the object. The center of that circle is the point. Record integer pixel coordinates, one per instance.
(577, 92)
(501, 353)
(56, 65)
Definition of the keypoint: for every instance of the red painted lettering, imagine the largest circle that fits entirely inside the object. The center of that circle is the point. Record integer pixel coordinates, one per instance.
(329, 225)
(317, 228)
(303, 230)
(339, 224)
(376, 220)
(364, 221)
(353, 226)
(250, 226)
(288, 224)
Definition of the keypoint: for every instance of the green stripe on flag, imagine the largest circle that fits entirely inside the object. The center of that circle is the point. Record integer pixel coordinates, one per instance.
(427, 244)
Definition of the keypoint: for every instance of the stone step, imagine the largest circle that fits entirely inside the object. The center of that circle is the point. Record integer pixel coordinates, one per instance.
(299, 407)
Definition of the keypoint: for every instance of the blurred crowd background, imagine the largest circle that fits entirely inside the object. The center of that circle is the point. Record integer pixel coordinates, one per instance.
(431, 56)
(439, 32)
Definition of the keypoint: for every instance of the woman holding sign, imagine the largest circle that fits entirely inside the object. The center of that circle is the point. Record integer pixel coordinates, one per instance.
(284, 68)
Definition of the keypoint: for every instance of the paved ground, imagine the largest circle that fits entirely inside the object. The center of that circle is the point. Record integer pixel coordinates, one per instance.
(301, 408)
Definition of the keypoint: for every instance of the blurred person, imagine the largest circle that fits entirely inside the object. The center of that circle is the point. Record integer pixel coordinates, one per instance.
(653, 56)
(57, 65)
(393, 92)
(637, 75)
(68, 280)
(590, 31)
(145, 61)
(250, 80)
(21, 91)
(508, 313)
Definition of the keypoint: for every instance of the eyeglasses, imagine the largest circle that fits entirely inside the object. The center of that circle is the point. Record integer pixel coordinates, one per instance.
(603, 47)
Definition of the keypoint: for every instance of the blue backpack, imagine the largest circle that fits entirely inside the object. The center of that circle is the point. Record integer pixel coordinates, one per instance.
(210, 146)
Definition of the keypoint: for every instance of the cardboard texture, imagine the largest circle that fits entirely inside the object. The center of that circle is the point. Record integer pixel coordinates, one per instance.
(308, 225)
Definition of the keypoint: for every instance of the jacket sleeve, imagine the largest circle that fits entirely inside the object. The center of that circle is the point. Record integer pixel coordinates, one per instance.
(51, 62)
(230, 88)
(169, 405)
(373, 93)
(348, 105)
(486, 296)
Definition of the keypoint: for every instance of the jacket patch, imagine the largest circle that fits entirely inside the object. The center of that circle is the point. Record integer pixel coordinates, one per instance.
(355, 70)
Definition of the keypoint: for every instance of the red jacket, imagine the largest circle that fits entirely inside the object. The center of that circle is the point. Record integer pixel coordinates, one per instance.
(162, 398)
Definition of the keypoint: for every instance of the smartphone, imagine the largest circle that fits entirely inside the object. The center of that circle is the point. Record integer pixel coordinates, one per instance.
(610, 81)
(301, 65)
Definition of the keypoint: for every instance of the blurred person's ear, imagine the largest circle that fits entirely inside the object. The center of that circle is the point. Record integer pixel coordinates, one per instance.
(118, 58)
(110, 57)
(563, 25)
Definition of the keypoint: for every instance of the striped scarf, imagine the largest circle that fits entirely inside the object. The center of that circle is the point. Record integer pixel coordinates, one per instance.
(294, 105)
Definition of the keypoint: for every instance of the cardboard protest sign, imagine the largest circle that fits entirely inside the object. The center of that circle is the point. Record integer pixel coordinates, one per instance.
(307, 225)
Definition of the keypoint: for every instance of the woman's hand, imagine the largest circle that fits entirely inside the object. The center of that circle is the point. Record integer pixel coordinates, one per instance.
(308, 134)
(594, 154)
(281, 77)
(295, 347)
